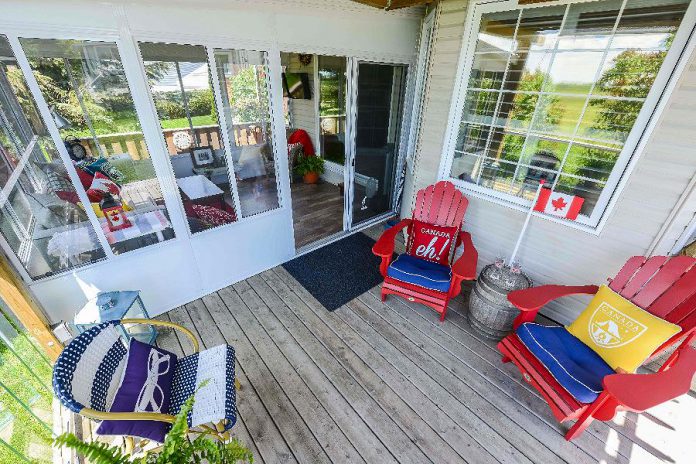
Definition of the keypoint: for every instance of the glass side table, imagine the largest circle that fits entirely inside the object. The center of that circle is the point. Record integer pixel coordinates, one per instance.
(109, 306)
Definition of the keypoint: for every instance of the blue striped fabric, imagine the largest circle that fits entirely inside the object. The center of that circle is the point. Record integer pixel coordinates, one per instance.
(184, 384)
(188, 373)
(105, 376)
(87, 369)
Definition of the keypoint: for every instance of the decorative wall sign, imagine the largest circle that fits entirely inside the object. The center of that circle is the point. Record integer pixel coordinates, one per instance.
(182, 140)
(202, 156)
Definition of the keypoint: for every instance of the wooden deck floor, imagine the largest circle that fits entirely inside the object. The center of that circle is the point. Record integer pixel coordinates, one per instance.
(380, 383)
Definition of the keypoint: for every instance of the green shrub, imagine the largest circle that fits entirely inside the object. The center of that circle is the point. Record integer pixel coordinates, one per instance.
(168, 109)
(307, 164)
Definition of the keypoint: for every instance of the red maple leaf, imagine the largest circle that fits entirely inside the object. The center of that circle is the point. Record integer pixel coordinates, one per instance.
(558, 204)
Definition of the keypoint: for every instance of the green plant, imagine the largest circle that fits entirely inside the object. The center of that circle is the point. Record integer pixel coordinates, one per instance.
(307, 164)
(178, 448)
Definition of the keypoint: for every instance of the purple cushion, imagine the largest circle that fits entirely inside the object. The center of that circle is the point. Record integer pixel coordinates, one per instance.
(146, 387)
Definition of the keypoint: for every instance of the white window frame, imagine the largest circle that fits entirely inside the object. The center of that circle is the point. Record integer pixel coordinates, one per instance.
(633, 147)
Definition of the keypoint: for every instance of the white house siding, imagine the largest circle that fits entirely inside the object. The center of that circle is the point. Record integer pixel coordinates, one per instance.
(651, 212)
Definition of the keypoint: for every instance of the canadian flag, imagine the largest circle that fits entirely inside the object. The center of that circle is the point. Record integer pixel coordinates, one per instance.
(558, 204)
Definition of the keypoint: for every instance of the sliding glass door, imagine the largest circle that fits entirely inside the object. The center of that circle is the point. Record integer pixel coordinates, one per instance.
(379, 98)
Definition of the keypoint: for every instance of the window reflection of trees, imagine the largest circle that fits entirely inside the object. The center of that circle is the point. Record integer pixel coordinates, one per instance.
(520, 117)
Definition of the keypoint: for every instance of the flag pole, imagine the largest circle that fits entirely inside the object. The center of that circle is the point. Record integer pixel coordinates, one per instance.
(526, 223)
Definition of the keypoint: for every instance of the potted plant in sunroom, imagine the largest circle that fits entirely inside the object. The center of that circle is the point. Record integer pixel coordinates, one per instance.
(309, 167)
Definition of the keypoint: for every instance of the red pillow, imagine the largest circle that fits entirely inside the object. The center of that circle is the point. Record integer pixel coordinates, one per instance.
(101, 185)
(431, 242)
(211, 215)
(85, 177)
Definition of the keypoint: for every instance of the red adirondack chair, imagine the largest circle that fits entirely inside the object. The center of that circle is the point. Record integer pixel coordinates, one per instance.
(441, 205)
(664, 286)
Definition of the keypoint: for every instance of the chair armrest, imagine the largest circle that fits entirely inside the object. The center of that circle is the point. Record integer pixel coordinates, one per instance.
(128, 416)
(530, 300)
(385, 245)
(639, 392)
(464, 268)
(171, 325)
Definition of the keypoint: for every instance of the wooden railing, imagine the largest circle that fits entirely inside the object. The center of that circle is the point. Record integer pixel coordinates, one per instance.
(133, 143)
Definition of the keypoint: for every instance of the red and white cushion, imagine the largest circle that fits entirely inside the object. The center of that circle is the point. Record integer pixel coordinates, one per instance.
(101, 185)
(431, 242)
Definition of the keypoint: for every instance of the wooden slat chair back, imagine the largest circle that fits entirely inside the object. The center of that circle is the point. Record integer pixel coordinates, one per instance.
(440, 204)
(443, 205)
(662, 285)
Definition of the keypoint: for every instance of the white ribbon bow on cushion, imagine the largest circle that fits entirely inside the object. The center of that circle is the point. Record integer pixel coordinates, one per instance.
(157, 365)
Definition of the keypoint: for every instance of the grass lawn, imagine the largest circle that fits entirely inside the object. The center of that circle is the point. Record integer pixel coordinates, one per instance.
(129, 123)
(21, 430)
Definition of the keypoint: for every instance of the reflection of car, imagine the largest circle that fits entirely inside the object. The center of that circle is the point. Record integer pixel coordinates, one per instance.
(543, 165)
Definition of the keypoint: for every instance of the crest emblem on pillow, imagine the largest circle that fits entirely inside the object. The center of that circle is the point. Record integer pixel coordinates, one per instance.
(611, 328)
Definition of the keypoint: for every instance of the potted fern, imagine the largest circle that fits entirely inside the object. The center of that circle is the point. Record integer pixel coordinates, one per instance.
(177, 447)
(309, 167)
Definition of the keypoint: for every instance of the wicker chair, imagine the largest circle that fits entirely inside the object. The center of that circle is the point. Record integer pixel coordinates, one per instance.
(88, 373)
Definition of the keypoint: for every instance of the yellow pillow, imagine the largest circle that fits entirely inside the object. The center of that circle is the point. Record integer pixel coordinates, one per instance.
(623, 334)
(95, 207)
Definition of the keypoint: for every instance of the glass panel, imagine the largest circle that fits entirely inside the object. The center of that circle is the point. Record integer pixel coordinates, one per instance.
(244, 85)
(332, 107)
(585, 188)
(570, 96)
(179, 80)
(589, 25)
(41, 216)
(649, 24)
(318, 201)
(380, 89)
(493, 47)
(535, 41)
(85, 86)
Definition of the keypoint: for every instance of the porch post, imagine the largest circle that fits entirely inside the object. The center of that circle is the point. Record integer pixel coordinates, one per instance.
(17, 299)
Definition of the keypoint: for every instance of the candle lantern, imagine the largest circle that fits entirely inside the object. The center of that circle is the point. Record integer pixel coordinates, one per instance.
(113, 212)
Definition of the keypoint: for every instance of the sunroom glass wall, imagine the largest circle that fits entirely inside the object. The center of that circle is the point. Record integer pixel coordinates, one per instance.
(244, 87)
(179, 79)
(40, 217)
(85, 86)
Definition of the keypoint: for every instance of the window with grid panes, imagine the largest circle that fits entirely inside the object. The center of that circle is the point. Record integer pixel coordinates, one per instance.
(554, 92)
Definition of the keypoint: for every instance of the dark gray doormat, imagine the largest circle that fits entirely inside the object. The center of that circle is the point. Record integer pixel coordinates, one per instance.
(338, 272)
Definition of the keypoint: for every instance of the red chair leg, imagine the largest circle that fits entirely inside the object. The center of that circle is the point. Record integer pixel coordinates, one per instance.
(586, 418)
(383, 295)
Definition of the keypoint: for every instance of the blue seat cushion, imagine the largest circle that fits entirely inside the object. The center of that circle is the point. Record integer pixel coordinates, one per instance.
(572, 363)
(420, 272)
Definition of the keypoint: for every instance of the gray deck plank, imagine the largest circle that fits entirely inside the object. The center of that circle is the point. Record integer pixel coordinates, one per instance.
(331, 438)
(267, 438)
(399, 443)
(617, 436)
(467, 448)
(211, 337)
(349, 421)
(298, 437)
(505, 414)
(472, 423)
(423, 435)
(374, 382)
(465, 344)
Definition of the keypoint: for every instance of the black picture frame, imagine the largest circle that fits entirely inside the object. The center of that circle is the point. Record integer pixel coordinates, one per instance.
(202, 156)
